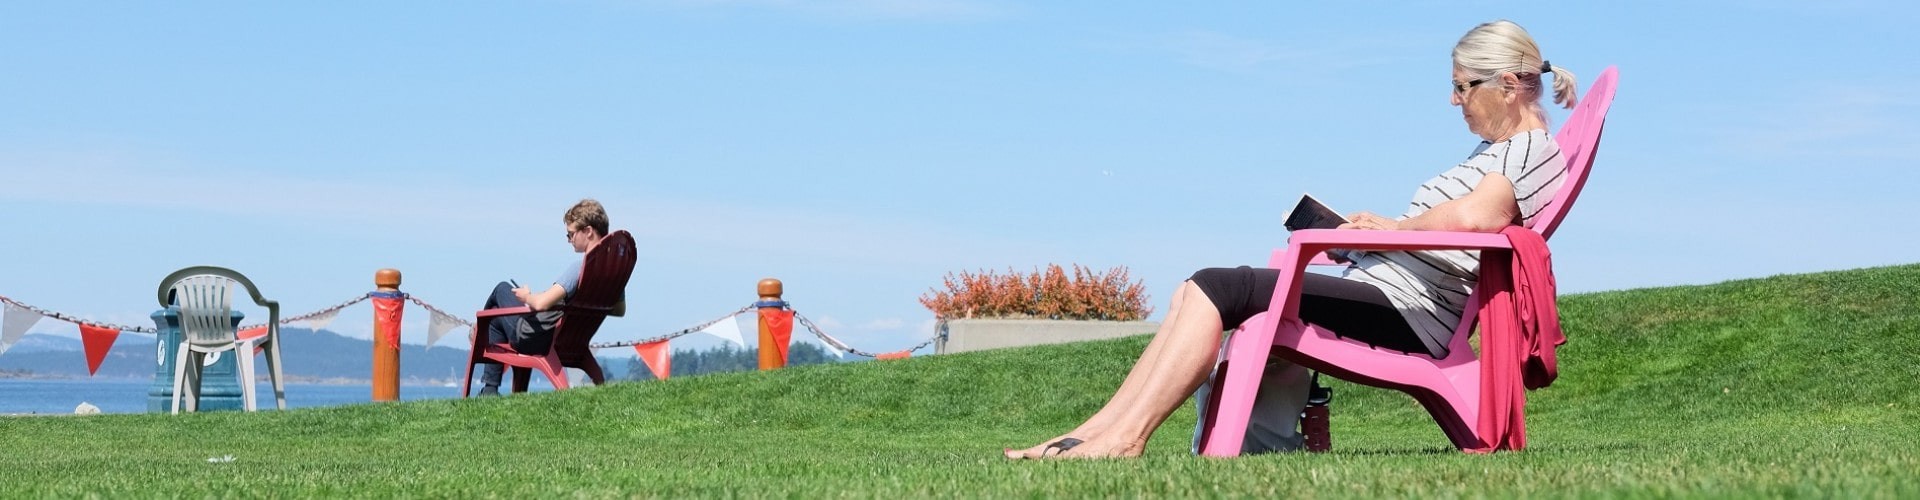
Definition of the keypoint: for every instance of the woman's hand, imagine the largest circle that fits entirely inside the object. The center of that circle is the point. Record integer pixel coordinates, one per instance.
(1367, 220)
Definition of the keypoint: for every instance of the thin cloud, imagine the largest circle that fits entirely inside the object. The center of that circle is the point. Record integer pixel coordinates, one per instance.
(920, 10)
(1831, 121)
(349, 204)
(883, 324)
(1224, 52)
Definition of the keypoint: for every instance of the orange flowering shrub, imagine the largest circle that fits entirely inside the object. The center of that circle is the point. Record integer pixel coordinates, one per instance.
(1049, 294)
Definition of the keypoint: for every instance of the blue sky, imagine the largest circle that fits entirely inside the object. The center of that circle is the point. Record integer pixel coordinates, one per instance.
(861, 149)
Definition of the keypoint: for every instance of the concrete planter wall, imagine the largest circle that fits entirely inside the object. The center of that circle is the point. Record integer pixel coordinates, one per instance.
(981, 334)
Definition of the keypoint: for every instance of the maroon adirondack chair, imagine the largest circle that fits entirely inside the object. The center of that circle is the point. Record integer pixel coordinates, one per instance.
(603, 283)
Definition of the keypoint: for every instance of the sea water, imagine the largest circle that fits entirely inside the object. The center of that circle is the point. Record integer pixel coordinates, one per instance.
(61, 396)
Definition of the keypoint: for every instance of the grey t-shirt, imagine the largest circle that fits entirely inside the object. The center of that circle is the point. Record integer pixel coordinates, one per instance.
(545, 321)
(570, 279)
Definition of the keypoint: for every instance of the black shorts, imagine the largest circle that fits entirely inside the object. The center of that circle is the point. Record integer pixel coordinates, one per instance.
(1349, 308)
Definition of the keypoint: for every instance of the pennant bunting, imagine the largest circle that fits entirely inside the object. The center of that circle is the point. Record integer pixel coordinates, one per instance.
(893, 355)
(837, 353)
(97, 341)
(15, 324)
(439, 325)
(322, 320)
(726, 329)
(250, 334)
(657, 357)
(778, 323)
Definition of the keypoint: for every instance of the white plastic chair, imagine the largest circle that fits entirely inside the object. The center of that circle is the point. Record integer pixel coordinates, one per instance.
(205, 297)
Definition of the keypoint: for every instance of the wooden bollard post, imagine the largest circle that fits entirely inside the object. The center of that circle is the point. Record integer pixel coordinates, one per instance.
(776, 325)
(388, 304)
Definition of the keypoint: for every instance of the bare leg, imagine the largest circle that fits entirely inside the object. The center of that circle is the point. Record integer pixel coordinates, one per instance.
(1191, 314)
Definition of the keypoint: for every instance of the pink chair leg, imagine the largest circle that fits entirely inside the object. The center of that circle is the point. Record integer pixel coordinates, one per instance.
(1233, 395)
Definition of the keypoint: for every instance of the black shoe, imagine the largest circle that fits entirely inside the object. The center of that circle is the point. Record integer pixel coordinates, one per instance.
(489, 390)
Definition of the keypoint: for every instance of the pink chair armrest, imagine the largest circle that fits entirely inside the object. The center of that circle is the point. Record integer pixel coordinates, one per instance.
(1321, 240)
(503, 311)
(1304, 245)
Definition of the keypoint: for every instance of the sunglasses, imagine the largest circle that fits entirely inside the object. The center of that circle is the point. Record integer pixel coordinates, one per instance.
(1461, 88)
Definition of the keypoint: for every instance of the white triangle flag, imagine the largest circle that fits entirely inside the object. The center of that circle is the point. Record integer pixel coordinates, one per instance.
(15, 324)
(438, 326)
(727, 329)
(321, 320)
(837, 353)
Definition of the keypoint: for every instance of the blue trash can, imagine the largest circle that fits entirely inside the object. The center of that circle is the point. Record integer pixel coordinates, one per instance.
(219, 382)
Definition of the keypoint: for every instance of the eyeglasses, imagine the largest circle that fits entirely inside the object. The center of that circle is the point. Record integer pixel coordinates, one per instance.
(1461, 88)
(571, 231)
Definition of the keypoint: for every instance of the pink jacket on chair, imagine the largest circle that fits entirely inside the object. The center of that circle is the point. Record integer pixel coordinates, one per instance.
(1519, 329)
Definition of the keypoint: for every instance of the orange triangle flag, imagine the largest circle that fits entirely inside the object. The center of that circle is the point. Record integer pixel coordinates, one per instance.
(780, 324)
(893, 355)
(657, 357)
(253, 333)
(97, 341)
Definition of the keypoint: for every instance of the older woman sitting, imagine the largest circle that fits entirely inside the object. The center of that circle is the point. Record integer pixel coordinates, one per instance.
(1403, 300)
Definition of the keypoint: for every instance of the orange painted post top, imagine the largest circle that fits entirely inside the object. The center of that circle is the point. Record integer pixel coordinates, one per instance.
(386, 280)
(387, 309)
(775, 324)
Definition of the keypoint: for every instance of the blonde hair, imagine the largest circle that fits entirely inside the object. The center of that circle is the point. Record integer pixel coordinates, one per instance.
(587, 214)
(1504, 47)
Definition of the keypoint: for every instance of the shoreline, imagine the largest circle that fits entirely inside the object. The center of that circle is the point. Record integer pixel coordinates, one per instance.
(290, 380)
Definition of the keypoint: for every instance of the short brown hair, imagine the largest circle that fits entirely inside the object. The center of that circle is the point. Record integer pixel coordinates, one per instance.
(587, 213)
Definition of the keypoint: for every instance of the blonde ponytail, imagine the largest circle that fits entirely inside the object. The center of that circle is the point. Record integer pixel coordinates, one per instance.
(1565, 92)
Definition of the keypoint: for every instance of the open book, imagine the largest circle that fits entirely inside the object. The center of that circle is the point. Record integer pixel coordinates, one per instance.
(1311, 214)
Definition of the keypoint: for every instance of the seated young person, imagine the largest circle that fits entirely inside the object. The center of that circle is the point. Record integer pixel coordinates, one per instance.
(532, 334)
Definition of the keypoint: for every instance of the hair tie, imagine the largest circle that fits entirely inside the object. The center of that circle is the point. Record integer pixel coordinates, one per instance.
(1545, 67)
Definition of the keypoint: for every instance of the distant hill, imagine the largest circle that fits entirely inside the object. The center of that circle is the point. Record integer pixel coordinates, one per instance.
(309, 355)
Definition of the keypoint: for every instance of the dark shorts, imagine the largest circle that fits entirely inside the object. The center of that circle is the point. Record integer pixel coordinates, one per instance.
(1348, 308)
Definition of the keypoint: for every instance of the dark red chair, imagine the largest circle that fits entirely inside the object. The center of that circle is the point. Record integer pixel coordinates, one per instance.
(603, 283)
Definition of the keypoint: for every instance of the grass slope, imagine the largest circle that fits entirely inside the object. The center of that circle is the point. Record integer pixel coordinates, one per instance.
(1784, 386)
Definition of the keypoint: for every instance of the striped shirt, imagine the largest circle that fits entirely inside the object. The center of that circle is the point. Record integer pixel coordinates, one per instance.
(1430, 287)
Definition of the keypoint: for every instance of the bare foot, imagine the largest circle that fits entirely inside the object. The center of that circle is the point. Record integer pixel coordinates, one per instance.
(1052, 449)
(1045, 447)
(1101, 447)
(1097, 446)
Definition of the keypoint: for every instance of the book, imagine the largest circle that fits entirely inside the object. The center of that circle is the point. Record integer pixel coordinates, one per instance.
(1310, 213)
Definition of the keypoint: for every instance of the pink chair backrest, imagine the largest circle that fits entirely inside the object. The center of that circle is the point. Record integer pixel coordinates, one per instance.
(1579, 140)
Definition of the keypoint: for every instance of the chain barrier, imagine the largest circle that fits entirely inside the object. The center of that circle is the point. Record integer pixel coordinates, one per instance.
(311, 315)
(437, 312)
(683, 332)
(815, 329)
(837, 344)
(77, 321)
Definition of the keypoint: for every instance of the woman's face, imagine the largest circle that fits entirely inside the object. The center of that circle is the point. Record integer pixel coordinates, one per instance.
(1482, 104)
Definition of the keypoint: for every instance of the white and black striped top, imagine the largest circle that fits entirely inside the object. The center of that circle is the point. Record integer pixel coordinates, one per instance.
(1430, 287)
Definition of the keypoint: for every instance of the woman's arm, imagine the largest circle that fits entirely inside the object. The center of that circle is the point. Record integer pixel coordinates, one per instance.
(1489, 208)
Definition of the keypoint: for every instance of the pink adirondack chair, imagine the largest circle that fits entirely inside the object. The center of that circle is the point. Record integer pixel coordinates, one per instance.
(1448, 387)
(603, 282)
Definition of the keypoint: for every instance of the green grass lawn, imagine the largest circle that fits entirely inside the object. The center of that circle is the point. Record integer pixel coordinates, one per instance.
(1786, 386)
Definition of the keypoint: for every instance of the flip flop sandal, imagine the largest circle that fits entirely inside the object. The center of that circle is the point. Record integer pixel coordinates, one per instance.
(1063, 445)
